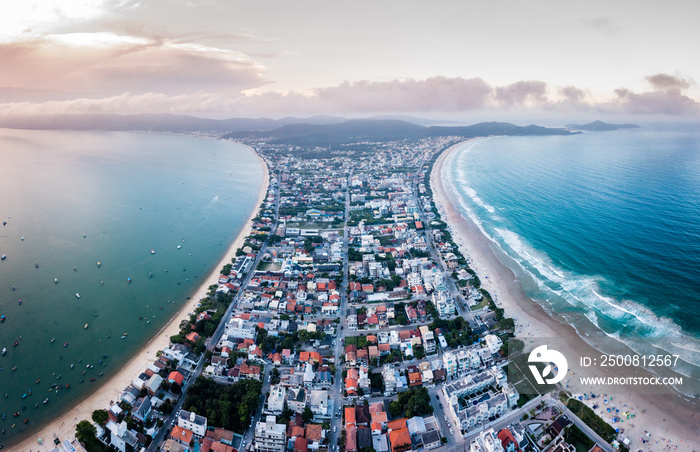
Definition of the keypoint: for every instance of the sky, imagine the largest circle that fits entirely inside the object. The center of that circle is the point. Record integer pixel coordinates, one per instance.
(451, 59)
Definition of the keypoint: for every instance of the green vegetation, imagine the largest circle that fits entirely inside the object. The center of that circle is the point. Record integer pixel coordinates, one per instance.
(100, 417)
(592, 420)
(85, 431)
(230, 407)
(456, 331)
(414, 402)
(578, 439)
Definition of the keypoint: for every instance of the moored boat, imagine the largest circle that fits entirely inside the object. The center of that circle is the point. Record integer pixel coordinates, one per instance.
(77, 295)
(55, 280)
(2, 318)
(46, 400)
(86, 325)
(4, 350)
(65, 344)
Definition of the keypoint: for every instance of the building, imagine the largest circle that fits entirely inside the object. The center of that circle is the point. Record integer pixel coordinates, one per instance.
(120, 437)
(493, 343)
(270, 436)
(194, 422)
(276, 399)
(428, 340)
(389, 377)
(487, 441)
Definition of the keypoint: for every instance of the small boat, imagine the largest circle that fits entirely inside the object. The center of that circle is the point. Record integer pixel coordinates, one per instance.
(3, 257)
(26, 420)
(22, 238)
(67, 386)
(71, 366)
(65, 344)
(153, 251)
(16, 414)
(124, 337)
(2, 318)
(14, 288)
(36, 405)
(150, 275)
(24, 396)
(179, 246)
(20, 302)
(3, 416)
(36, 264)
(128, 280)
(77, 295)
(37, 382)
(92, 379)
(75, 269)
(99, 264)
(86, 325)
(14, 368)
(55, 280)
(84, 235)
(53, 339)
(46, 400)
(16, 343)
(4, 350)
(29, 391)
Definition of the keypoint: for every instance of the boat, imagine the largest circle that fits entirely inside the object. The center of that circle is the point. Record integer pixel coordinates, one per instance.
(2, 318)
(16, 414)
(36, 405)
(67, 386)
(75, 269)
(4, 350)
(150, 275)
(178, 247)
(84, 235)
(99, 264)
(53, 339)
(153, 251)
(128, 280)
(3, 416)
(3, 257)
(86, 325)
(37, 382)
(55, 280)
(24, 396)
(22, 238)
(92, 379)
(65, 344)
(77, 295)
(46, 400)
(71, 366)
(14, 368)
(36, 264)
(124, 337)
(26, 420)
(16, 343)
(29, 391)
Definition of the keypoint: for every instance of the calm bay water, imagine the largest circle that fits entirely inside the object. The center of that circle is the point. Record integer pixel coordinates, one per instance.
(602, 228)
(78, 198)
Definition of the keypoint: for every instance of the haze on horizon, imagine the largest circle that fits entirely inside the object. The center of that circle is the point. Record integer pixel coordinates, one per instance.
(458, 60)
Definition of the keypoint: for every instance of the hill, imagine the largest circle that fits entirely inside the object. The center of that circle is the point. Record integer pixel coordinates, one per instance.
(384, 130)
(600, 126)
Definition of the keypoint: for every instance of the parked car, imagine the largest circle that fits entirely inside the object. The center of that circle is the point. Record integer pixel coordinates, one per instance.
(451, 432)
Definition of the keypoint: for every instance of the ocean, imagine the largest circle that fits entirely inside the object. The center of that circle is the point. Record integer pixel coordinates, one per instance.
(158, 210)
(602, 229)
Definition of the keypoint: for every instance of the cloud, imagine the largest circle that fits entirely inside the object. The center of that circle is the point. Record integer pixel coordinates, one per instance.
(78, 65)
(602, 24)
(663, 82)
(530, 92)
(409, 96)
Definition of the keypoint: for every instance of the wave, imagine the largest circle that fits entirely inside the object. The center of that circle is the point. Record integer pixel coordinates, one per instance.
(613, 318)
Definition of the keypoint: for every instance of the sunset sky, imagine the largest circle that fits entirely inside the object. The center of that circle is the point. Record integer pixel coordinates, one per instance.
(456, 59)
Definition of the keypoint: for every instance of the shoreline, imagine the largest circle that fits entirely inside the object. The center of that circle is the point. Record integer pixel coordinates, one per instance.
(671, 426)
(63, 426)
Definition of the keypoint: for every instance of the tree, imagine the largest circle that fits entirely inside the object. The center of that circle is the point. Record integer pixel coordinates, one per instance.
(100, 417)
(307, 415)
(85, 431)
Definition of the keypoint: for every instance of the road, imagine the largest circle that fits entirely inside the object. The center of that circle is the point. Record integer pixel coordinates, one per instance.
(337, 391)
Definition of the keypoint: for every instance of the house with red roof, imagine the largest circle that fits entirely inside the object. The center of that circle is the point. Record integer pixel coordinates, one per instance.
(508, 441)
(176, 377)
(182, 435)
(192, 337)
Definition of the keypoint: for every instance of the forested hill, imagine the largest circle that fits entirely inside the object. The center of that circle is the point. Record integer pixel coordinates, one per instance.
(384, 130)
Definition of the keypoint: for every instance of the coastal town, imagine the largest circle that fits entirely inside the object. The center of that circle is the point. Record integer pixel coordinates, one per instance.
(348, 321)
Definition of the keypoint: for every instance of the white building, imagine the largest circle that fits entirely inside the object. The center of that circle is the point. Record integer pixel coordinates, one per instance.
(194, 422)
(318, 401)
(240, 329)
(487, 441)
(270, 436)
(493, 343)
(275, 401)
(389, 379)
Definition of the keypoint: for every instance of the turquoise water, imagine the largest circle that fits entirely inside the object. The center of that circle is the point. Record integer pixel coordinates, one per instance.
(602, 228)
(79, 198)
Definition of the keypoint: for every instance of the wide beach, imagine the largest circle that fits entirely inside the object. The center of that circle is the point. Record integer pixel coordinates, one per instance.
(669, 425)
(63, 427)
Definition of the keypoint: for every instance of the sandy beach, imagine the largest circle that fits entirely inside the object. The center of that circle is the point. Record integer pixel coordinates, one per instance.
(657, 419)
(63, 427)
